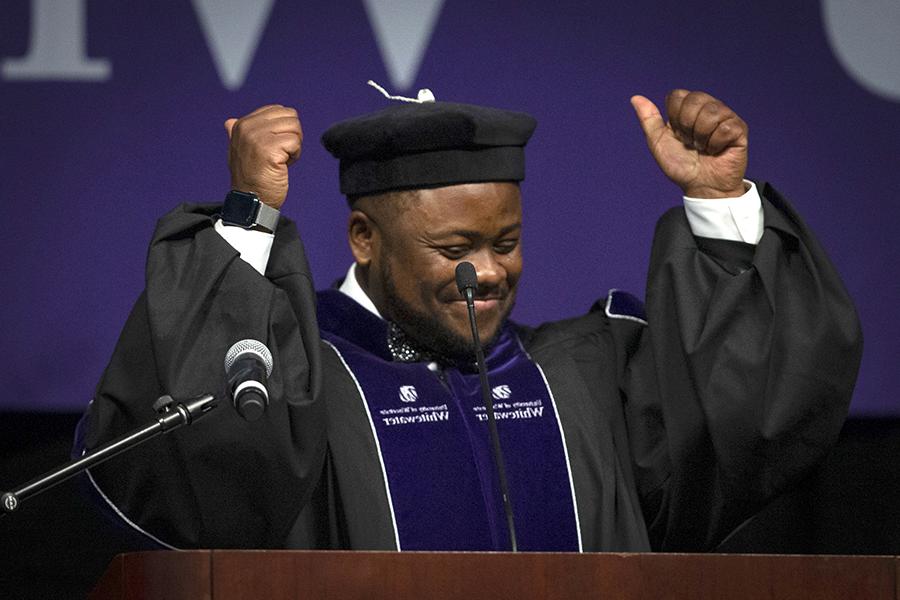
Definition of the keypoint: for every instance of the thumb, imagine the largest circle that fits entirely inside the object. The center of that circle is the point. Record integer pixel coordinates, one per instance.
(651, 121)
(229, 125)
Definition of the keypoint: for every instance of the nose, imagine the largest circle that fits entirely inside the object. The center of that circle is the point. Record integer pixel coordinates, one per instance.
(491, 272)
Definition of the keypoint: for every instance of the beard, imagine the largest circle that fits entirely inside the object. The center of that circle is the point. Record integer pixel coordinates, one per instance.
(428, 333)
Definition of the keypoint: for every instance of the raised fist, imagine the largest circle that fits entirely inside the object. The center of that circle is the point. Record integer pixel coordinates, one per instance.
(263, 145)
(702, 148)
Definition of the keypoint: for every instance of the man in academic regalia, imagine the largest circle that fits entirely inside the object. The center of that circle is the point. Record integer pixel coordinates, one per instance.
(621, 429)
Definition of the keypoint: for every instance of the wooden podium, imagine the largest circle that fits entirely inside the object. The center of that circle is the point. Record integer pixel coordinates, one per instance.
(271, 575)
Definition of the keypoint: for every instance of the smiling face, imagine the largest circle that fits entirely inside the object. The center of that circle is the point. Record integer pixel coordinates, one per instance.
(407, 246)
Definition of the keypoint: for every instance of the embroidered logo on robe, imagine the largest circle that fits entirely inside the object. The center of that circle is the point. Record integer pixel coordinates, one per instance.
(408, 393)
(501, 392)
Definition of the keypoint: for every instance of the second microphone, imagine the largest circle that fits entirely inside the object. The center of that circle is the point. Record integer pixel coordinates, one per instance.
(248, 365)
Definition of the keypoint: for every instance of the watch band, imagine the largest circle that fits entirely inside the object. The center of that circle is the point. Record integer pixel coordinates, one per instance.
(244, 209)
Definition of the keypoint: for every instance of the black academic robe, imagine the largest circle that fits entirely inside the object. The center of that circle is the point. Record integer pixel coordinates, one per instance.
(677, 431)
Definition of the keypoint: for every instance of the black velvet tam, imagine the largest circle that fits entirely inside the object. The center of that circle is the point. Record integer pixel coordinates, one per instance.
(431, 144)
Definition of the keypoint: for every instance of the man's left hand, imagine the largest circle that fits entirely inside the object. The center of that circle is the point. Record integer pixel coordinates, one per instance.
(702, 148)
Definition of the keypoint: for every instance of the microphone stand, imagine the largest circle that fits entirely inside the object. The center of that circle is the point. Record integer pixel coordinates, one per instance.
(172, 415)
(467, 281)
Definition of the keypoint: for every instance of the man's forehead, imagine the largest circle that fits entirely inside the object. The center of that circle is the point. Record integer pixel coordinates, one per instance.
(462, 208)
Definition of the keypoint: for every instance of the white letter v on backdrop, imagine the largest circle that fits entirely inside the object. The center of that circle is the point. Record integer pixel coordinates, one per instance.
(232, 29)
(402, 30)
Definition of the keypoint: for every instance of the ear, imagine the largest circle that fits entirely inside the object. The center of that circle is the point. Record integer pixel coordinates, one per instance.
(364, 238)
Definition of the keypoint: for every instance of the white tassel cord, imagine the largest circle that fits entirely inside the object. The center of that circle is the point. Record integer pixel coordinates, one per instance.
(424, 94)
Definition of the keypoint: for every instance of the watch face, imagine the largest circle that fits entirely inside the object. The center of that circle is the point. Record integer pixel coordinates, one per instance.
(240, 209)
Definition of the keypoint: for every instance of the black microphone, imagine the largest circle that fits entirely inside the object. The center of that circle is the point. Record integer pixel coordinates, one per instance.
(467, 283)
(248, 364)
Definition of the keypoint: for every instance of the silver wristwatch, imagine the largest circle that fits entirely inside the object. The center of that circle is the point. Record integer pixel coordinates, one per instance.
(244, 209)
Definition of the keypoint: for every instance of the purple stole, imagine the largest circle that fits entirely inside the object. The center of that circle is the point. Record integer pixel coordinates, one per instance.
(431, 433)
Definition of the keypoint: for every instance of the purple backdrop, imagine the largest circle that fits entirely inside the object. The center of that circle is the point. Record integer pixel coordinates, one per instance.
(105, 128)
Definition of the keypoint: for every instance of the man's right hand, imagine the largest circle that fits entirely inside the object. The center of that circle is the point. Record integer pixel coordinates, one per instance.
(263, 145)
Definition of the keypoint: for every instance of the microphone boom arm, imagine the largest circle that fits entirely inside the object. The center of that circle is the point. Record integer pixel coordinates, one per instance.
(172, 415)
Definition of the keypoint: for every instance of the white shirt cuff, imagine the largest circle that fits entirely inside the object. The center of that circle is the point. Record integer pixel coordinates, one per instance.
(737, 219)
(254, 246)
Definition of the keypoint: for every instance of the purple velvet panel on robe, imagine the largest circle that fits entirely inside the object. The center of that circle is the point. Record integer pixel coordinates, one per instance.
(431, 430)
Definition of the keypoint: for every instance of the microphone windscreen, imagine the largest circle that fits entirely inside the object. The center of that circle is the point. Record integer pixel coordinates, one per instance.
(252, 348)
(466, 277)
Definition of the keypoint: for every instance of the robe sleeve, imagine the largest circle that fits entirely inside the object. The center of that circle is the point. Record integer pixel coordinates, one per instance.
(222, 481)
(741, 382)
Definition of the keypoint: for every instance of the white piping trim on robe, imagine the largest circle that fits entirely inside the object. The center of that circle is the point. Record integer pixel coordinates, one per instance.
(611, 315)
(387, 488)
(562, 436)
(122, 515)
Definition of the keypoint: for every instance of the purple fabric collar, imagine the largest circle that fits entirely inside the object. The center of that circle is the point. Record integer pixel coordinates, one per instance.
(337, 312)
